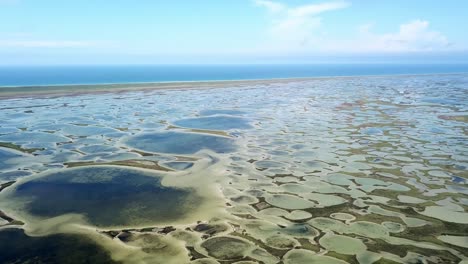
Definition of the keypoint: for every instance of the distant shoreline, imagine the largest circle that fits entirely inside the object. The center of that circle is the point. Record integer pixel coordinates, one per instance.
(7, 92)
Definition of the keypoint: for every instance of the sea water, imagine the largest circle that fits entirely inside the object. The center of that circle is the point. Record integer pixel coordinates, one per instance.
(104, 74)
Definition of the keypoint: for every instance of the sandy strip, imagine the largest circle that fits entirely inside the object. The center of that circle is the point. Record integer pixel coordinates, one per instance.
(8, 92)
(70, 90)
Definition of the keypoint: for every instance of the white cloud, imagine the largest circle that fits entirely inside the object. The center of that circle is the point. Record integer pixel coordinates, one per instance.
(315, 9)
(273, 7)
(294, 27)
(44, 44)
(415, 36)
(299, 29)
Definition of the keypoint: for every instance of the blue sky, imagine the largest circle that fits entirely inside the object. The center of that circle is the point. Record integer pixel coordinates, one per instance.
(232, 31)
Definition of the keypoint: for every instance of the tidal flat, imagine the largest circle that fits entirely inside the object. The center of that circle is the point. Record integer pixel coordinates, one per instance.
(328, 170)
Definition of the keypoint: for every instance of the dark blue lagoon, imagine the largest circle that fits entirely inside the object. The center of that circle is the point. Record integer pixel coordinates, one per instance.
(107, 196)
(17, 247)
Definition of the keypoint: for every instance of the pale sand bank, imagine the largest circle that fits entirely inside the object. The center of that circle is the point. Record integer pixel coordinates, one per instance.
(61, 90)
(70, 90)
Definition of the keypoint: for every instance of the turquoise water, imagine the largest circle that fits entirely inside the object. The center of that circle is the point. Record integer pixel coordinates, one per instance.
(57, 75)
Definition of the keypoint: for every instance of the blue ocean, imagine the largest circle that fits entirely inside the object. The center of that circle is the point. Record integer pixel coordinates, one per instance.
(103, 74)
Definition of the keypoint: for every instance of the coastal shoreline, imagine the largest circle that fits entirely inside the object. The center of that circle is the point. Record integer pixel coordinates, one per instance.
(10, 92)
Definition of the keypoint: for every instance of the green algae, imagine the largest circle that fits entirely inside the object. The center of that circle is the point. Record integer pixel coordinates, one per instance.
(6, 185)
(144, 164)
(19, 148)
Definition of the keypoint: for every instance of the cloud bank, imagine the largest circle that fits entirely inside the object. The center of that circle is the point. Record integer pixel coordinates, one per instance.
(412, 36)
(300, 28)
(293, 27)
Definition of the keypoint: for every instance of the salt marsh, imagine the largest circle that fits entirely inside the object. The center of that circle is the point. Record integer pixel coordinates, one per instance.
(332, 170)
